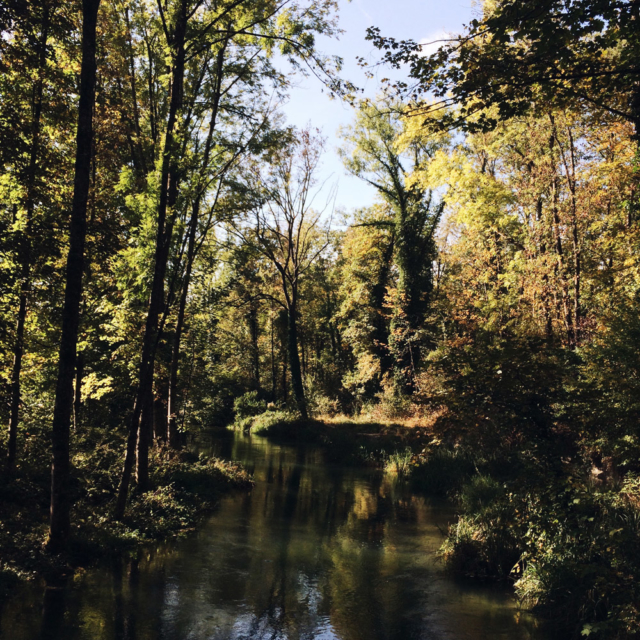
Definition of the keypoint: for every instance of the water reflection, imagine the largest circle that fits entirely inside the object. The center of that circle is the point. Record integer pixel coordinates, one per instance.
(313, 552)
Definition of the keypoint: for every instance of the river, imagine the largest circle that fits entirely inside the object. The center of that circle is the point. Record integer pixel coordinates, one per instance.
(314, 551)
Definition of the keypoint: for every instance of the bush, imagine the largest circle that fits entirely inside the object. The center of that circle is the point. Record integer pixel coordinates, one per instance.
(479, 493)
(269, 421)
(248, 405)
(440, 471)
(480, 547)
(582, 558)
(399, 463)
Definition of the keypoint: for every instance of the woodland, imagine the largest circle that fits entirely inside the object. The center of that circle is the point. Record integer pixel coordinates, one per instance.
(170, 262)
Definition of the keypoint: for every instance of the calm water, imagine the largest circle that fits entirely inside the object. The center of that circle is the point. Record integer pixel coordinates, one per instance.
(313, 552)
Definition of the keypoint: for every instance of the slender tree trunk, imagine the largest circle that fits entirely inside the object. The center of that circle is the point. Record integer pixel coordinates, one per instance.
(134, 96)
(77, 399)
(16, 396)
(167, 199)
(25, 250)
(285, 386)
(172, 401)
(254, 330)
(577, 263)
(294, 360)
(378, 293)
(160, 401)
(274, 367)
(60, 503)
(560, 270)
(577, 274)
(145, 439)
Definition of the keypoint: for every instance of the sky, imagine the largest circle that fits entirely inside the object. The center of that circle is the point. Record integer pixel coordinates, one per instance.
(420, 20)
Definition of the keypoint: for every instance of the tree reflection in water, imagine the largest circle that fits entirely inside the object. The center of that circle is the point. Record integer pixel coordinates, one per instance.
(312, 552)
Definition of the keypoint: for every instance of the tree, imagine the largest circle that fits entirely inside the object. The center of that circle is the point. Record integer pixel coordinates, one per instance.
(289, 232)
(367, 274)
(60, 501)
(382, 152)
(25, 257)
(195, 34)
(521, 55)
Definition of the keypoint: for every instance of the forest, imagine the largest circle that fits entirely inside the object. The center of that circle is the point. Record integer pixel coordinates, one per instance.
(172, 263)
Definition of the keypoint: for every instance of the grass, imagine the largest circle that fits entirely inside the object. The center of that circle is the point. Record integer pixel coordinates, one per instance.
(399, 463)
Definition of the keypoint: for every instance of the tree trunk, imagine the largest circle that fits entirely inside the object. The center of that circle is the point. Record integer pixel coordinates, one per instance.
(16, 396)
(25, 250)
(167, 199)
(77, 400)
(294, 361)
(560, 269)
(145, 439)
(172, 401)
(378, 293)
(60, 504)
(254, 330)
(160, 401)
(274, 366)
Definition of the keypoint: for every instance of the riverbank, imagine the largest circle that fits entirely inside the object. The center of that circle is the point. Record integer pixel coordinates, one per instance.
(184, 488)
(564, 536)
(344, 439)
(314, 550)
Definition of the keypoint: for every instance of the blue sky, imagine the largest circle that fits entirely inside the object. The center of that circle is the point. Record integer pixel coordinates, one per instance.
(420, 20)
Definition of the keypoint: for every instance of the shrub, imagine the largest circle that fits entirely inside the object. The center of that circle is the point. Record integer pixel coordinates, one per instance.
(269, 421)
(399, 463)
(482, 547)
(249, 404)
(440, 471)
(479, 493)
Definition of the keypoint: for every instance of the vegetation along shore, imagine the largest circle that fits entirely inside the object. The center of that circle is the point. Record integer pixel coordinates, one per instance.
(175, 260)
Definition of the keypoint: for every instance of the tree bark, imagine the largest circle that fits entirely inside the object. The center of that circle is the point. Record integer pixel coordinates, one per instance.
(25, 250)
(274, 367)
(77, 400)
(254, 331)
(378, 293)
(294, 361)
(60, 502)
(560, 269)
(160, 400)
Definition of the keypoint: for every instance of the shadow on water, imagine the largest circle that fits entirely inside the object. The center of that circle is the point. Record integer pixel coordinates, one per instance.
(314, 551)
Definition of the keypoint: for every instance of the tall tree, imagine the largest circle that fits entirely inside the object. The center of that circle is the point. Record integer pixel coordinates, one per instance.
(60, 500)
(192, 32)
(25, 251)
(289, 232)
(379, 150)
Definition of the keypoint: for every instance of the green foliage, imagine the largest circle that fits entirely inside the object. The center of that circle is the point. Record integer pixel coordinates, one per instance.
(399, 463)
(480, 493)
(518, 55)
(248, 405)
(440, 471)
(275, 423)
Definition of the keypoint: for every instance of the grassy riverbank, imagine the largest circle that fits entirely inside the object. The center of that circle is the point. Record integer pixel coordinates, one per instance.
(348, 440)
(184, 488)
(565, 534)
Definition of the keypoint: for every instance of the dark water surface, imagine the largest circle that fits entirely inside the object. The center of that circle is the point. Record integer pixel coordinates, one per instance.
(312, 552)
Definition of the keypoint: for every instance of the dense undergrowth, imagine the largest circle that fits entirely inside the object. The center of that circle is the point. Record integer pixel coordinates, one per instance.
(184, 487)
(538, 447)
(377, 439)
